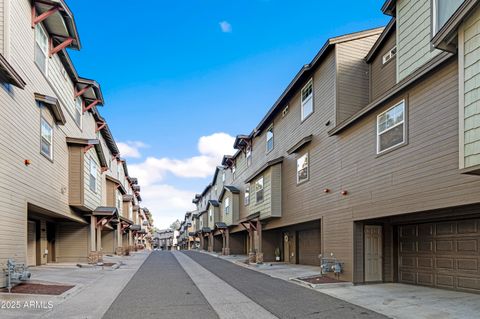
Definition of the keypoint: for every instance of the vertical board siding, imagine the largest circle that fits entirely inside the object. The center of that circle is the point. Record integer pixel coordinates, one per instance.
(383, 76)
(352, 76)
(75, 175)
(413, 36)
(471, 80)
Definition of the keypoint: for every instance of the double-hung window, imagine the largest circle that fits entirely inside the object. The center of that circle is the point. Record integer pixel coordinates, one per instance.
(246, 199)
(307, 100)
(391, 128)
(302, 169)
(270, 139)
(259, 190)
(248, 156)
(234, 171)
(93, 175)
(78, 111)
(41, 48)
(226, 208)
(46, 139)
(210, 213)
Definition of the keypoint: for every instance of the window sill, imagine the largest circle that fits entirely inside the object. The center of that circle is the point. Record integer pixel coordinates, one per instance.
(47, 157)
(392, 149)
(306, 118)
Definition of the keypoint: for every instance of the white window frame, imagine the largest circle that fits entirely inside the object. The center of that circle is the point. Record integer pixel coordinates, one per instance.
(43, 139)
(223, 176)
(435, 27)
(307, 100)
(248, 156)
(44, 50)
(387, 57)
(308, 168)
(234, 171)
(246, 196)
(404, 122)
(272, 138)
(210, 214)
(78, 110)
(93, 175)
(226, 209)
(257, 182)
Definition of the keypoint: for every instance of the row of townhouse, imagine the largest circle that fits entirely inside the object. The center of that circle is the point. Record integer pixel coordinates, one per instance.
(187, 238)
(66, 194)
(369, 160)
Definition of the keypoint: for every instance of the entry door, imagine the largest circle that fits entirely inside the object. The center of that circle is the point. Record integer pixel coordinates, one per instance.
(373, 253)
(31, 244)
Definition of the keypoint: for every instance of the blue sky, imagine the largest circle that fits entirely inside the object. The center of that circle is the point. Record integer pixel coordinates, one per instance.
(174, 71)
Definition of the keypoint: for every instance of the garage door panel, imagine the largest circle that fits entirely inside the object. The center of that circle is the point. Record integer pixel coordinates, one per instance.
(445, 228)
(467, 245)
(408, 247)
(425, 246)
(408, 277)
(425, 278)
(445, 263)
(423, 262)
(444, 246)
(442, 254)
(309, 247)
(445, 281)
(406, 261)
(467, 227)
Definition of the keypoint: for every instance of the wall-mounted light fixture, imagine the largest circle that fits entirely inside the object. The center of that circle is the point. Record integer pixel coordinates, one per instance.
(344, 193)
(27, 162)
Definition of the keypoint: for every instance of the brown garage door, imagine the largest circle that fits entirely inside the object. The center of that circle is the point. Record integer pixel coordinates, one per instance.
(309, 247)
(442, 254)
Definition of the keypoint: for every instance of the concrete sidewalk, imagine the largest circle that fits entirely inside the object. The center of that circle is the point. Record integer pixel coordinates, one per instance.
(95, 289)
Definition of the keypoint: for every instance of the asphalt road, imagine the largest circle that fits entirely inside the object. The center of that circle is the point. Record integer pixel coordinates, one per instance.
(281, 298)
(160, 289)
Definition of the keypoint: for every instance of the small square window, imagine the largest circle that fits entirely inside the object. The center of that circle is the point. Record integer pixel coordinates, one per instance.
(46, 141)
(270, 139)
(389, 55)
(391, 128)
(307, 100)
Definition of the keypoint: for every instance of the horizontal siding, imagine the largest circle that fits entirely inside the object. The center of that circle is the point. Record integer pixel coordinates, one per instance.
(472, 90)
(352, 76)
(383, 76)
(413, 36)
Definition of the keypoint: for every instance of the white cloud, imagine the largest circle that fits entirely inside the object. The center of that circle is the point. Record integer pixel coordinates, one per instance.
(166, 203)
(131, 148)
(211, 150)
(225, 26)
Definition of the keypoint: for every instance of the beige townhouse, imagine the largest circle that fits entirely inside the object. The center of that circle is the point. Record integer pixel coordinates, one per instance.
(368, 160)
(60, 153)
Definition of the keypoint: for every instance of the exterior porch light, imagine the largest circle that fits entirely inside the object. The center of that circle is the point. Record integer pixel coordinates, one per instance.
(27, 162)
(344, 193)
(326, 190)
